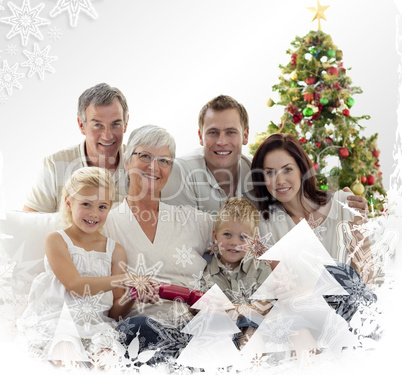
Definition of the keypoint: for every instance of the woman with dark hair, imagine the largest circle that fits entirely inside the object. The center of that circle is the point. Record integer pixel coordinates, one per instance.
(285, 191)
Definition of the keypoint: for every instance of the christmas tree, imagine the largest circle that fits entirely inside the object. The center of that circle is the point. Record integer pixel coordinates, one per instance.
(301, 319)
(212, 346)
(318, 97)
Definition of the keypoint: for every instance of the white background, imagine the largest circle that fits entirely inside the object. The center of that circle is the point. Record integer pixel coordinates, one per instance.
(170, 57)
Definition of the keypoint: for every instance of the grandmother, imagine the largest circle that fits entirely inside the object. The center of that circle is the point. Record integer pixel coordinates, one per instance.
(162, 242)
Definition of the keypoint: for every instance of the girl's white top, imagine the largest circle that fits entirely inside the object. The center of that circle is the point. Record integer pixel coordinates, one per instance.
(43, 322)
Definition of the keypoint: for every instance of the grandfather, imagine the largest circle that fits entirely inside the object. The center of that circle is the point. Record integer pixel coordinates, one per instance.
(102, 119)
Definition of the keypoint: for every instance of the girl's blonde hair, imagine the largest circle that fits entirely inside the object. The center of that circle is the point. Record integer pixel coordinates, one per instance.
(83, 177)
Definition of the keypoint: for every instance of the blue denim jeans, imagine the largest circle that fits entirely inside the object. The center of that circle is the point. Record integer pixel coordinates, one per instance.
(153, 336)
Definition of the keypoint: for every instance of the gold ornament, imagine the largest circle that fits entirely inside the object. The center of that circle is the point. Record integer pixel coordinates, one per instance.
(357, 188)
(293, 75)
(319, 13)
(270, 102)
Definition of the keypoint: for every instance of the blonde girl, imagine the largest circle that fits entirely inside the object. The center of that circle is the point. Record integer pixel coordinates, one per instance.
(85, 273)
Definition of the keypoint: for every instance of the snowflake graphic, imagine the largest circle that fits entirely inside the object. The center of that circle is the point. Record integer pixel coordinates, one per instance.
(285, 277)
(279, 330)
(6, 274)
(25, 21)
(6, 267)
(46, 307)
(74, 7)
(140, 286)
(22, 274)
(168, 325)
(38, 61)
(3, 101)
(87, 307)
(143, 275)
(9, 77)
(256, 246)
(11, 50)
(215, 248)
(184, 256)
(201, 282)
(260, 363)
(315, 225)
(38, 336)
(243, 294)
(177, 315)
(124, 328)
(266, 240)
(54, 33)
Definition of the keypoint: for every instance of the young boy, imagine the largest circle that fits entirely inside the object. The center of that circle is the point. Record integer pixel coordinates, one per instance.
(233, 267)
(237, 271)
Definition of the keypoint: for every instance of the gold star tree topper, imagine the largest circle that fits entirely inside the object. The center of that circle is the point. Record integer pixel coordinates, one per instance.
(319, 13)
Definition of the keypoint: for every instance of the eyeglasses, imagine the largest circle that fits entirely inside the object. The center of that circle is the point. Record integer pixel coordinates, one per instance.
(148, 158)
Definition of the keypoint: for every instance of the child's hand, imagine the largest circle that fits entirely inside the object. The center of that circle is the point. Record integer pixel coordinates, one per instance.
(143, 288)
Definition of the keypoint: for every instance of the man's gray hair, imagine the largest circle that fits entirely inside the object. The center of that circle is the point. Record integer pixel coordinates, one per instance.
(100, 95)
(149, 136)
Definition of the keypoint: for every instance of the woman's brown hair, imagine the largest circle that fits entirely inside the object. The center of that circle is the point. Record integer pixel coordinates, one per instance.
(289, 144)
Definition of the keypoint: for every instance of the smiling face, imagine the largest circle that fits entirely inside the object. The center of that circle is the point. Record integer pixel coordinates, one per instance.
(222, 137)
(282, 176)
(231, 236)
(148, 179)
(89, 208)
(104, 130)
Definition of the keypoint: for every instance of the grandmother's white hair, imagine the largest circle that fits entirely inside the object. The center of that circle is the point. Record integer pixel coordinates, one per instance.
(152, 136)
(83, 177)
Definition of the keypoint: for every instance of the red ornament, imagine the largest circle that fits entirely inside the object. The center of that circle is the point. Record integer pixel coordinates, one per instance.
(376, 153)
(346, 112)
(364, 179)
(343, 152)
(293, 59)
(308, 96)
(318, 144)
(302, 140)
(310, 80)
(309, 123)
(292, 108)
(370, 179)
(377, 164)
(337, 86)
(297, 118)
(328, 140)
(316, 166)
(333, 71)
